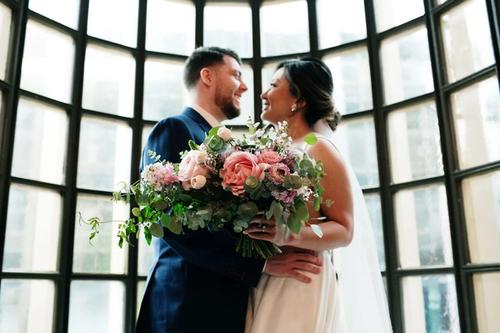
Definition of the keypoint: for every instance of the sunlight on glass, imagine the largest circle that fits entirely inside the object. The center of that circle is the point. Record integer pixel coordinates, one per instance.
(351, 80)
(146, 257)
(430, 304)
(268, 71)
(356, 138)
(487, 301)
(170, 26)
(466, 39)
(234, 31)
(104, 154)
(114, 20)
(395, 12)
(476, 116)
(340, 21)
(26, 306)
(102, 254)
(247, 105)
(141, 285)
(164, 92)
(96, 306)
(375, 211)
(284, 27)
(406, 65)
(108, 84)
(62, 11)
(48, 62)
(414, 142)
(40, 142)
(422, 225)
(482, 216)
(33, 228)
(146, 130)
(5, 20)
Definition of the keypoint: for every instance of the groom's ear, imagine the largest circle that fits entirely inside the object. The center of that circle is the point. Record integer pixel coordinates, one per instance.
(207, 76)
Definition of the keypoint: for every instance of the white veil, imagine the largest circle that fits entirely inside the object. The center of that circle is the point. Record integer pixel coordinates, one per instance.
(360, 282)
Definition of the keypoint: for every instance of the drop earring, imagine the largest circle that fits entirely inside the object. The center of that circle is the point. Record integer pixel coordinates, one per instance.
(294, 108)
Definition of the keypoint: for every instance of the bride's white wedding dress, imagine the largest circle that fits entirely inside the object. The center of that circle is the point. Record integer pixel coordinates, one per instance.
(355, 303)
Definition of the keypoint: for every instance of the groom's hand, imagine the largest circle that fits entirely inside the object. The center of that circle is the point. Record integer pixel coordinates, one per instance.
(294, 264)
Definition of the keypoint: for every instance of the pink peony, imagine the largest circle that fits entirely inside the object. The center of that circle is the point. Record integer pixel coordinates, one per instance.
(190, 167)
(237, 167)
(160, 175)
(269, 157)
(278, 172)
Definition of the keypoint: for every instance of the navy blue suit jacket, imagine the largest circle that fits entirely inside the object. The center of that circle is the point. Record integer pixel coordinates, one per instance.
(198, 282)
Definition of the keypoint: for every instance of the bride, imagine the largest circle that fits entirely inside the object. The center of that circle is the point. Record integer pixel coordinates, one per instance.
(346, 295)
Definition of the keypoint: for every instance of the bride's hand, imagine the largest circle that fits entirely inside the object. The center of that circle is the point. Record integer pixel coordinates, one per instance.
(267, 230)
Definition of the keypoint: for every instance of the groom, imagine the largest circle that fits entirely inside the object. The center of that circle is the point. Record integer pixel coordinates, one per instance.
(199, 283)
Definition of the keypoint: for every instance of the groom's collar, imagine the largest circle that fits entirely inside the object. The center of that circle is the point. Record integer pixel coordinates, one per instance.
(206, 115)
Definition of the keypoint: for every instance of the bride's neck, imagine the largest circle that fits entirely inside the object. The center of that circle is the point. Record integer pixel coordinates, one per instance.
(298, 130)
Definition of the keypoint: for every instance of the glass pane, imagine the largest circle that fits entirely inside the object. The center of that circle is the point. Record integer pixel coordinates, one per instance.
(247, 105)
(466, 39)
(340, 21)
(375, 211)
(63, 11)
(284, 27)
(476, 116)
(33, 227)
(487, 296)
(109, 81)
(357, 138)
(104, 154)
(406, 65)
(102, 254)
(351, 80)
(267, 74)
(40, 142)
(5, 19)
(423, 227)
(26, 306)
(389, 13)
(164, 92)
(414, 142)
(482, 215)
(140, 293)
(234, 31)
(114, 20)
(430, 304)
(146, 256)
(48, 62)
(145, 134)
(170, 26)
(96, 306)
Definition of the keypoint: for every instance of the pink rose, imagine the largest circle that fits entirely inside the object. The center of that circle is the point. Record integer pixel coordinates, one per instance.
(237, 167)
(269, 157)
(190, 168)
(278, 172)
(159, 175)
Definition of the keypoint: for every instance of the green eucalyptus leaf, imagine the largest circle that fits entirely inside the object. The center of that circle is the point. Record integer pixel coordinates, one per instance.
(165, 220)
(193, 145)
(311, 139)
(136, 211)
(175, 227)
(156, 230)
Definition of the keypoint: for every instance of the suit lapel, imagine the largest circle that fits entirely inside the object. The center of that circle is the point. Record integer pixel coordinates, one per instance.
(196, 117)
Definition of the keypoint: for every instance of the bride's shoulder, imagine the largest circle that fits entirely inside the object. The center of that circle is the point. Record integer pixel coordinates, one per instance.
(324, 150)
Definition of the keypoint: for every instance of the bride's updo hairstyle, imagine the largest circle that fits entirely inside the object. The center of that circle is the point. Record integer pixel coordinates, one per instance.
(311, 81)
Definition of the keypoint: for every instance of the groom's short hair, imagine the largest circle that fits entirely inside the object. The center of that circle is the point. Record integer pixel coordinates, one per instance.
(204, 57)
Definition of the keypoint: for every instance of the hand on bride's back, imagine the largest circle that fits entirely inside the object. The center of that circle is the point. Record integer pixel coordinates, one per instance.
(293, 263)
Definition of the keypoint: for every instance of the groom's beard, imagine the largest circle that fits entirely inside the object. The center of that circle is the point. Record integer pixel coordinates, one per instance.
(226, 104)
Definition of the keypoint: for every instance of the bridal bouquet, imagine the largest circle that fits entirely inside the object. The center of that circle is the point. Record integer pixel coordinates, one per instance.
(225, 183)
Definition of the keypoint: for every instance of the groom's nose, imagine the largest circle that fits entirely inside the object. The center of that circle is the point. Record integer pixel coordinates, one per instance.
(243, 86)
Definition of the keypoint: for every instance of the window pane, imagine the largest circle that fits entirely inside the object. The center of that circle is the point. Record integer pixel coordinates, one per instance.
(466, 39)
(40, 142)
(423, 227)
(96, 306)
(351, 80)
(104, 155)
(26, 306)
(415, 144)
(234, 31)
(33, 227)
(146, 256)
(247, 105)
(48, 62)
(140, 293)
(164, 92)
(170, 26)
(114, 20)
(487, 296)
(108, 84)
(406, 65)
(146, 130)
(340, 21)
(267, 74)
(430, 304)
(476, 115)
(375, 211)
(395, 12)
(482, 215)
(284, 27)
(357, 138)
(102, 255)
(5, 20)
(63, 11)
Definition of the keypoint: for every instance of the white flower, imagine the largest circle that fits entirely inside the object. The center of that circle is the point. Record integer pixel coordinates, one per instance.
(225, 133)
(198, 182)
(202, 157)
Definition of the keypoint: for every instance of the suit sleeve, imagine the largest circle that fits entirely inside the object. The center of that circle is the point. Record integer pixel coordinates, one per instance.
(214, 251)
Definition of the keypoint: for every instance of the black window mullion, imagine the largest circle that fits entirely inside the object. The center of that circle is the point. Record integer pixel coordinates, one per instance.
(257, 62)
(493, 8)
(313, 27)
(200, 7)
